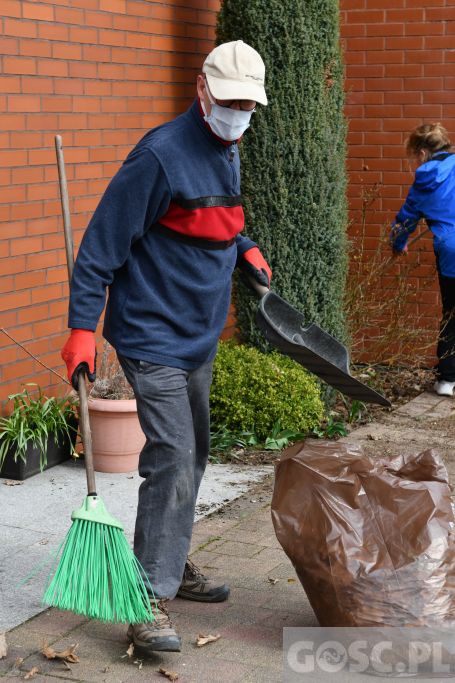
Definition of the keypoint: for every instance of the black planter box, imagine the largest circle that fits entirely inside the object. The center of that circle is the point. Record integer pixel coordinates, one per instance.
(56, 453)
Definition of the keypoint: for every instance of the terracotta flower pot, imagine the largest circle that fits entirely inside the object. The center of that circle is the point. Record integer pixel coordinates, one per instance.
(117, 437)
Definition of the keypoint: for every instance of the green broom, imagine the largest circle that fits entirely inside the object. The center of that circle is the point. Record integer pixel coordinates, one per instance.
(97, 574)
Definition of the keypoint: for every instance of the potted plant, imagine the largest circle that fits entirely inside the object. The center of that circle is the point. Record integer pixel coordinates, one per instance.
(38, 433)
(117, 437)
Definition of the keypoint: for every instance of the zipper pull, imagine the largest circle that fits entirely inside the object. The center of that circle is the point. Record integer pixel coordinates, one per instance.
(231, 153)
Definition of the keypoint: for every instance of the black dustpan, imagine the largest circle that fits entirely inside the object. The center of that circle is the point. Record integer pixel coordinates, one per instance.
(320, 353)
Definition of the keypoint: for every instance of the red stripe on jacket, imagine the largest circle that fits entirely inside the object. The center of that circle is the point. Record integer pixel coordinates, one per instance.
(212, 223)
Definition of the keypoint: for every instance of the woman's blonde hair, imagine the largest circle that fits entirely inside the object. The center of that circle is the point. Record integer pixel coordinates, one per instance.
(431, 137)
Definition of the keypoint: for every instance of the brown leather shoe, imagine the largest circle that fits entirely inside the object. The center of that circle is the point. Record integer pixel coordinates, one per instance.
(158, 635)
(196, 586)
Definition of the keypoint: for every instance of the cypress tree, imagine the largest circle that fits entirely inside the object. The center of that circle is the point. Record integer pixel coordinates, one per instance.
(293, 156)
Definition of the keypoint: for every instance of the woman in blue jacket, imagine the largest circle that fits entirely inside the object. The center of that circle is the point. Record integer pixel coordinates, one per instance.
(432, 197)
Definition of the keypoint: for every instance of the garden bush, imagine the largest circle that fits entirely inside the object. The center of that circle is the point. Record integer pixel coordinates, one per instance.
(293, 157)
(253, 391)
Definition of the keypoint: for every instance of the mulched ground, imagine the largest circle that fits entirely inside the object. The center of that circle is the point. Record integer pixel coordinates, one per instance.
(398, 384)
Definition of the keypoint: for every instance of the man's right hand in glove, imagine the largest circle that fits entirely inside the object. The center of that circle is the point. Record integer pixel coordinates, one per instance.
(79, 353)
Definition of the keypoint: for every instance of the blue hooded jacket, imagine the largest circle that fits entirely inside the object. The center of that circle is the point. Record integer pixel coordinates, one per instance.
(432, 196)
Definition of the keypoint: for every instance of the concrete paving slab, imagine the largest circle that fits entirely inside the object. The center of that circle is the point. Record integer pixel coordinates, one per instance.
(411, 439)
(428, 421)
(427, 405)
(37, 514)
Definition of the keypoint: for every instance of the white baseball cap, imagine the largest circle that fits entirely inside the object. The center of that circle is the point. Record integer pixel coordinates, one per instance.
(235, 71)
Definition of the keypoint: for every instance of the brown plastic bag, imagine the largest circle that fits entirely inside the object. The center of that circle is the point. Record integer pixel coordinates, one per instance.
(372, 544)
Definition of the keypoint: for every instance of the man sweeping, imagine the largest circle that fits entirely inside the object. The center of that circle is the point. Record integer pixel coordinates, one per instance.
(165, 239)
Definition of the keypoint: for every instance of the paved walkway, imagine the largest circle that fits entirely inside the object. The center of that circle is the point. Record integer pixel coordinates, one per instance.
(238, 544)
(35, 517)
(428, 421)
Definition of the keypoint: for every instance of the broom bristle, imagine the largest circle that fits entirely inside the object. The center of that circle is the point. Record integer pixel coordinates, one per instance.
(98, 576)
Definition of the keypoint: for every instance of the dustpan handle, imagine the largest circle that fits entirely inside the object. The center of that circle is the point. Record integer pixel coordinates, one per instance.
(261, 290)
(82, 387)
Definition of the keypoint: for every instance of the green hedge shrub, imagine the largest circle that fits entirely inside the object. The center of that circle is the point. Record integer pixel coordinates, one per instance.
(252, 391)
(293, 157)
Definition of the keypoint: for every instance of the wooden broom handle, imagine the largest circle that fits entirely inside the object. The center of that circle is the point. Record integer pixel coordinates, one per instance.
(82, 390)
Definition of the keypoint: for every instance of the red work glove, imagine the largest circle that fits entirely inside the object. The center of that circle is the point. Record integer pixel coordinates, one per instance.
(79, 353)
(254, 264)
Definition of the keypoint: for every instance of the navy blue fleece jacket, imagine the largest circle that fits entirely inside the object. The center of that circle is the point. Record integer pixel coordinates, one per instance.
(154, 241)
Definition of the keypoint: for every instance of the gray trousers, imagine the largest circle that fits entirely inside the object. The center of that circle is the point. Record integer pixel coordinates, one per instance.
(173, 409)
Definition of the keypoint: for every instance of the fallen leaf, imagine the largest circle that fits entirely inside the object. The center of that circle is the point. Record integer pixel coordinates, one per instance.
(203, 640)
(105, 670)
(139, 662)
(291, 580)
(3, 645)
(32, 673)
(17, 662)
(129, 653)
(373, 437)
(12, 482)
(172, 675)
(273, 581)
(67, 655)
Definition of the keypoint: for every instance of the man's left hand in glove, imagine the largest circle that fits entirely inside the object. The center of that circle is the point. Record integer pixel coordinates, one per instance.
(254, 264)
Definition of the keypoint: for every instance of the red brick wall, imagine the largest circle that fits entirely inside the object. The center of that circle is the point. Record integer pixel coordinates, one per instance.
(100, 73)
(400, 68)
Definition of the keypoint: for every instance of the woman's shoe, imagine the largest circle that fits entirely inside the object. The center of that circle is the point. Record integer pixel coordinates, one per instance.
(444, 388)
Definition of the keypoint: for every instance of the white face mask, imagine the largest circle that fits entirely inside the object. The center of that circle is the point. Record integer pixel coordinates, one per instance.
(228, 124)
